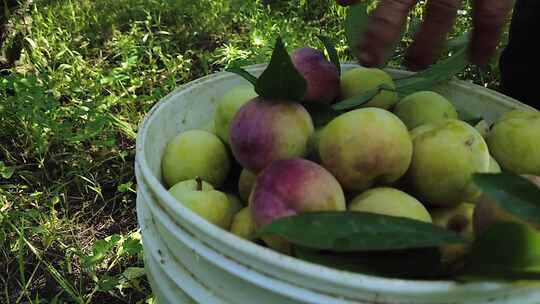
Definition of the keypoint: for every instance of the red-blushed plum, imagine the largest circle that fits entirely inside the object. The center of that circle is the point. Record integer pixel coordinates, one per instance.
(264, 130)
(292, 186)
(321, 75)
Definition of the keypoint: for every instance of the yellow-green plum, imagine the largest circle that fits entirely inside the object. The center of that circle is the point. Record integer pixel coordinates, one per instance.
(245, 184)
(487, 213)
(460, 220)
(235, 205)
(365, 147)
(192, 154)
(322, 76)
(392, 202)
(424, 107)
(243, 224)
(446, 154)
(483, 128)
(292, 186)
(313, 146)
(511, 247)
(493, 165)
(227, 107)
(267, 129)
(513, 141)
(360, 80)
(277, 243)
(201, 198)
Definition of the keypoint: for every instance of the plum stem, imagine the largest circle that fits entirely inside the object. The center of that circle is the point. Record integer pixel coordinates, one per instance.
(199, 183)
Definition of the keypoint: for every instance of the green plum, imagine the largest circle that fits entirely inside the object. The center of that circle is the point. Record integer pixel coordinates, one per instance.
(235, 205)
(392, 202)
(243, 224)
(313, 145)
(366, 147)
(446, 154)
(201, 198)
(493, 165)
(227, 107)
(513, 141)
(460, 220)
(483, 128)
(245, 184)
(424, 107)
(507, 250)
(192, 154)
(360, 80)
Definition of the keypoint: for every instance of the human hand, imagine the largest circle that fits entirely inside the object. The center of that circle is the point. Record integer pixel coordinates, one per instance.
(387, 21)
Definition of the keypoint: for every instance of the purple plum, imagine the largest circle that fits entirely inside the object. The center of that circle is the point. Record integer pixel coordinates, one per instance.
(265, 129)
(291, 186)
(321, 75)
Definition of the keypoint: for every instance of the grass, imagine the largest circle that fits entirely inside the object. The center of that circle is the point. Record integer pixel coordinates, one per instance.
(69, 112)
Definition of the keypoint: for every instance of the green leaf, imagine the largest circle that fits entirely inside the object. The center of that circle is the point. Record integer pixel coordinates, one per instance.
(243, 73)
(513, 193)
(132, 273)
(331, 50)
(281, 79)
(107, 283)
(5, 171)
(130, 278)
(356, 23)
(321, 114)
(356, 101)
(358, 231)
(506, 251)
(100, 250)
(125, 187)
(434, 75)
(424, 263)
(130, 247)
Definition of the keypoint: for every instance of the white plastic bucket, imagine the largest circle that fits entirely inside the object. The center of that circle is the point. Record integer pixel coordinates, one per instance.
(189, 259)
